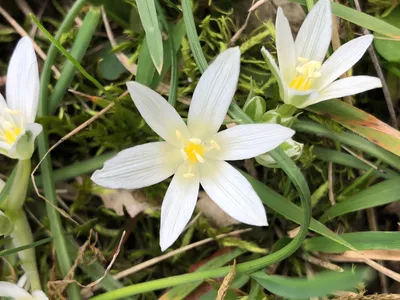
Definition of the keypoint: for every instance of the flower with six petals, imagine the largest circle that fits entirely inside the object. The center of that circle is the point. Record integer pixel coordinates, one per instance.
(302, 77)
(195, 153)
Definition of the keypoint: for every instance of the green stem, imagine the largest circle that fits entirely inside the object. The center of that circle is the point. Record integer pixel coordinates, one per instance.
(21, 236)
(17, 195)
(63, 256)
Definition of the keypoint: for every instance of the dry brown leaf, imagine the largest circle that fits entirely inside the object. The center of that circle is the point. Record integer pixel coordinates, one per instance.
(133, 201)
(212, 211)
(223, 289)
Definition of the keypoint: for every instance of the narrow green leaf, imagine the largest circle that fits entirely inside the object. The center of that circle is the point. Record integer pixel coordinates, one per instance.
(9, 183)
(145, 69)
(350, 139)
(323, 284)
(77, 51)
(368, 240)
(360, 122)
(148, 16)
(348, 160)
(381, 193)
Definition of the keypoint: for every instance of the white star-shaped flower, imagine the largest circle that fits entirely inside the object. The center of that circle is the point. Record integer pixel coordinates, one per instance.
(302, 76)
(195, 153)
(18, 129)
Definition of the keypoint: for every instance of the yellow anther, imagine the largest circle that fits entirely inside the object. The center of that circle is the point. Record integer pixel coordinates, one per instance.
(11, 135)
(184, 155)
(12, 112)
(189, 175)
(307, 70)
(215, 145)
(179, 135)
(200, 159)
(195, 141)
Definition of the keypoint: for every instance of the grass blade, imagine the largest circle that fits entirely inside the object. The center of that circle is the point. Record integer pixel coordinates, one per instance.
(369, 240)
(360, 122)
(148, 16)
(381, 193)
(349, 139)
(78, 50)
(323, 284)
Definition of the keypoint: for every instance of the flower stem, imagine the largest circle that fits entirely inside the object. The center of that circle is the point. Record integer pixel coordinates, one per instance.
(21, 236)
(17, 195)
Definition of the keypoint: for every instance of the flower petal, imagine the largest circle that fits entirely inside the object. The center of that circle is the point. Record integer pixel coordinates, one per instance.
(22, 85)
(178, 206)
(285, 47)
(139, 166)
(246, 141)
(232, 192)
(342, 60)
(276, 73)
(8, 289)
(213, 94)
(315, 33)
(346, 87)
(157, 113)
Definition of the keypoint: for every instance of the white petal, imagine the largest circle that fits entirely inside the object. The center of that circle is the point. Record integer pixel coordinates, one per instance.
(22, 85)
(39, 295)
(232, 192)
(34, 128)
(342, 60)
(178, 206)
(3, 103)
(213, 94)
(276, 72)
(285, 47)
(315, 33)
(139, 166)
(246, 141)
(157, 113)
(8, 289)
(346, 87)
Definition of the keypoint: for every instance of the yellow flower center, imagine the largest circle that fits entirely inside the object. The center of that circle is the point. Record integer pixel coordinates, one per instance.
(9, 130)
(306, 72)
(193, 151)
(11, 135)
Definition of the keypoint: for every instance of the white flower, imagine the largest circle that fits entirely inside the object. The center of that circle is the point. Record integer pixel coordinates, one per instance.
(302, 77)
(195, 153)
(18, 129)
(14, 291)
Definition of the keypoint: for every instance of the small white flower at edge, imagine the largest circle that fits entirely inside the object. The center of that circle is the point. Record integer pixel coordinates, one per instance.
(195, 153)
(302, 77)
(18, 129)
(8, 289)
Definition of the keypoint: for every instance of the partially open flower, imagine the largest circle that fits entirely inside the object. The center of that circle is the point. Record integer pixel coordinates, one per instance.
(195, 152)
(302, 76)
(18, 129)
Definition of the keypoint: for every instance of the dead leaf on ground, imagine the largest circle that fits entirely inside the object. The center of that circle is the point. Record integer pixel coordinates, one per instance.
(212, 211)
(133, 201)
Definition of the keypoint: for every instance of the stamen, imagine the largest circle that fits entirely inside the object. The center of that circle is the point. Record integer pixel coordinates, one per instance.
(199, 157)
(195, 141)
(189, 175)
(184, 155)
(302, 59)
(12, 112)
(215, 145)
(179, 135)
